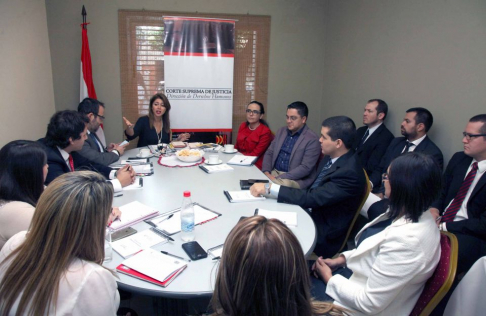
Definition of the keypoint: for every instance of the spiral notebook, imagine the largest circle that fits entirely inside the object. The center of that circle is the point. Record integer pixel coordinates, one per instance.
(133, 213)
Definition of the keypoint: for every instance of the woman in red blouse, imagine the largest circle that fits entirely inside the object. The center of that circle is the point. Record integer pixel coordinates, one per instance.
(254, 136)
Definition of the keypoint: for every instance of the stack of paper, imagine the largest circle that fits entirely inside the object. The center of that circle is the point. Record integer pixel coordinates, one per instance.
(216, 168)
(152, 266)
(132, 213)
(241, 160)
(242, 196)
(135, 243)
(288, 218)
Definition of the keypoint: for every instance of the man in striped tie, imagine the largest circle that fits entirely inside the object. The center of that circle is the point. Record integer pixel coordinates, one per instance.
(336, 193)
(463, 200)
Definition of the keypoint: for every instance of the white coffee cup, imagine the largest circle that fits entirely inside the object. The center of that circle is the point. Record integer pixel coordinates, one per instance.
(144, 153)
(213, 159)
(229, 148)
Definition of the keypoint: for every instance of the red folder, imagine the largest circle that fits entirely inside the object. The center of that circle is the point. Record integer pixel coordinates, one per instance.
(126, 270)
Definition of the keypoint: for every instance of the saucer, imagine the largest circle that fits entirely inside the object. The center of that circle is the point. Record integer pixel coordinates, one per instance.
(229, 152)
(213, 164)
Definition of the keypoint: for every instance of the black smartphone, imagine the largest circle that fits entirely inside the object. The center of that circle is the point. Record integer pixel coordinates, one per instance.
(122, 233)
(194, 250)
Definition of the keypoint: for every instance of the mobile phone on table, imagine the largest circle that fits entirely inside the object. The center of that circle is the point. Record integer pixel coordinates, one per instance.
(194, 250)
(122, 233)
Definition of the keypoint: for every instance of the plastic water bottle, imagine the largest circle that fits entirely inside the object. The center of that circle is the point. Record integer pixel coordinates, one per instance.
(187, 218)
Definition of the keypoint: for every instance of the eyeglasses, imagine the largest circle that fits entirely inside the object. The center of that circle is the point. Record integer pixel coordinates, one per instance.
(101, 117)
(469, 136)
(253, 111)
(292, 118)
(385, 176)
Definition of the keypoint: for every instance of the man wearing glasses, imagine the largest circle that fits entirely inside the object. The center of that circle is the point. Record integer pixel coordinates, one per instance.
(292, 156)
(93, 148)
(462, 204)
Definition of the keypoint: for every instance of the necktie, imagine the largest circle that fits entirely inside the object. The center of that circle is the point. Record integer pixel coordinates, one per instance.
(363, 139)
(321, 174)
(97, 141)
(407, 147)
(451, 212)
(71, 162)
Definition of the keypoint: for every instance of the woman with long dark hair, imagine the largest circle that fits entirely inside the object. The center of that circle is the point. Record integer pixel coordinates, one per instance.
(56, 267)
(153, 128)
(396, 253)
(263, 272)
(254, 135)
(23, 170)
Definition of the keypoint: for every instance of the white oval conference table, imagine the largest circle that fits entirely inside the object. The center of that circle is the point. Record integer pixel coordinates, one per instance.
(163, 191)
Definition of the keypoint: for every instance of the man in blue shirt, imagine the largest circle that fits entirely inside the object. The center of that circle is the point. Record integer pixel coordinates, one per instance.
(292, 156)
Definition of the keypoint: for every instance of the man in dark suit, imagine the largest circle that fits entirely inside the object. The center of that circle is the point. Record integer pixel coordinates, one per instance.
(372, 140)
(462, 203)
(291, 158)
(338, 190)
(65, 136)
(93, 148)
(414, 128)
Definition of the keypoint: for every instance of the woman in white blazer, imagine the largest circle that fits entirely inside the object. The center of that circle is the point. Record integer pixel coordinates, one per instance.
(397, 252)
(56, 267)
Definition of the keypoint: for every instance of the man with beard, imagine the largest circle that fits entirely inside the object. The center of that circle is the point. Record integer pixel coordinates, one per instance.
(414, 128)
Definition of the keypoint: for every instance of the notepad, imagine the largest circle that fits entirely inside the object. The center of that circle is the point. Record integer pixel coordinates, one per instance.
(132, 244)
(173, 225)
(132, 213)
(242, 196)
(216, 168)
(241, 160)
(155, 265)
(288, 218)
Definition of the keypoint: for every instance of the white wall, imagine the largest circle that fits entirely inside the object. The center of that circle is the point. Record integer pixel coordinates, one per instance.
(26, 89)
(296, 50)
(410, 53)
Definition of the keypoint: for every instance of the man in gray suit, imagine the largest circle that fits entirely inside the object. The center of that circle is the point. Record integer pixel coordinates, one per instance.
(292, 156)
(93, 148)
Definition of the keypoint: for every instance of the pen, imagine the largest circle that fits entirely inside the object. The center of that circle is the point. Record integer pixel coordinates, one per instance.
(118, 195)
(168, 217)
(437, 220)
(168, 254)
(256, 212)
(217, 258)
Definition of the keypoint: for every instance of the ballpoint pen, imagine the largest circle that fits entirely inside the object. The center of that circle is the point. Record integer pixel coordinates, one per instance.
(168, 254)
(217, 258)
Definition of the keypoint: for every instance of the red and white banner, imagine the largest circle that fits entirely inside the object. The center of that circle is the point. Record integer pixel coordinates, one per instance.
(198, 71)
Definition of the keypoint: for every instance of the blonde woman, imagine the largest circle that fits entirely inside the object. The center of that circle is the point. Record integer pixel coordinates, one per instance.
(55, 267)
(263, 272)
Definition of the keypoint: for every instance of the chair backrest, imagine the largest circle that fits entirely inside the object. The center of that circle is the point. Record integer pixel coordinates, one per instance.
(440, 282)
(366, 192)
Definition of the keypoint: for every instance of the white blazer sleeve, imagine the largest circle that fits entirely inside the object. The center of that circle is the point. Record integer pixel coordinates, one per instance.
(98, 295)
(395, 265)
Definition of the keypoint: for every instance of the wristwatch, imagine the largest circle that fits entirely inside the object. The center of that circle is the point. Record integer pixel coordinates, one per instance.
(267, 188)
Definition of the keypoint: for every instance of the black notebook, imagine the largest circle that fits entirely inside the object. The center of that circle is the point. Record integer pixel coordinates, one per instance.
(246, 184)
